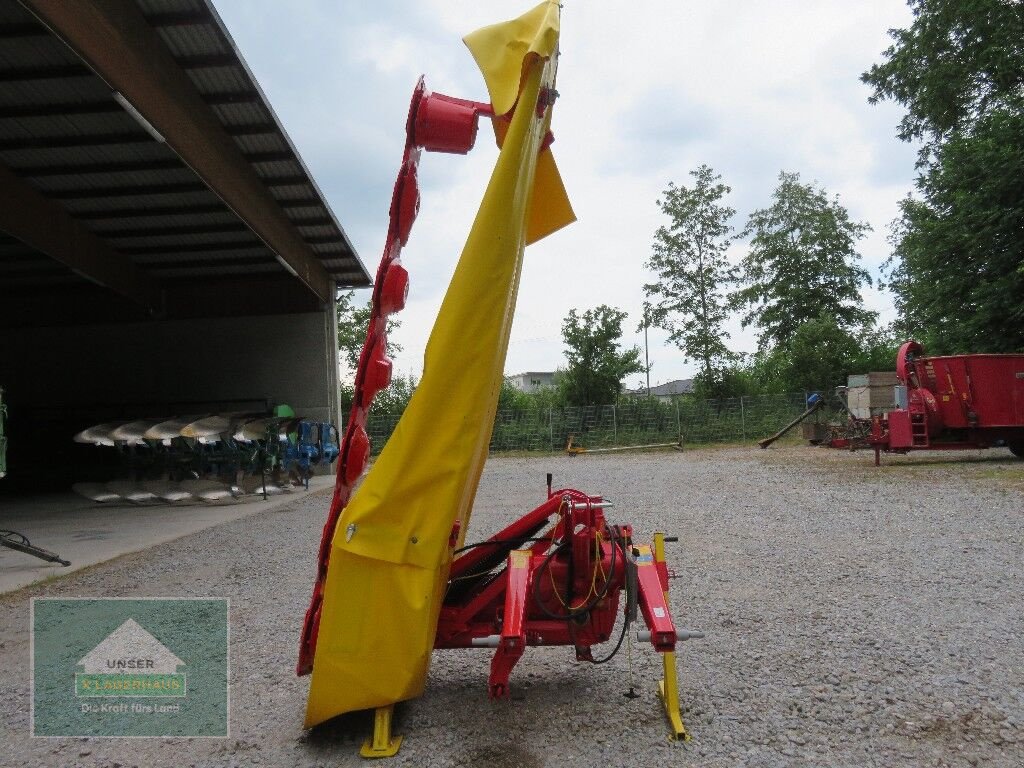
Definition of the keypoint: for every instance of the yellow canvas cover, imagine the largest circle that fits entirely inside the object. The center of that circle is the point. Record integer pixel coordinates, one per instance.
(390, 555)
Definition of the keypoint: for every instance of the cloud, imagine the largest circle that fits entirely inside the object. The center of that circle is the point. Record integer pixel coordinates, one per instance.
(648, 92)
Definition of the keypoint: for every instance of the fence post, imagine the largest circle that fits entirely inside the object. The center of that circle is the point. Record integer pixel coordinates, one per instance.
(551, 431)
(615, 428)
(679, 424)
(743, 419)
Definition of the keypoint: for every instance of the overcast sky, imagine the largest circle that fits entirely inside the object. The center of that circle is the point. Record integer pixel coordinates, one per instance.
(649, 90)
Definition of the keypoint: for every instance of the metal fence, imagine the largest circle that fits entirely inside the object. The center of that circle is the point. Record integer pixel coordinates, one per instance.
(630, 423)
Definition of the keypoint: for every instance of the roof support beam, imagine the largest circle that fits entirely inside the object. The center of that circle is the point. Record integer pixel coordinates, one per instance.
(198, 265)
(104, 214)
(246, 246)
(85, 140)
(59, 72)
(117, 42)
(179, 18)
(45, 226)
(62, 71)
(178, 188)
(135, 190)
(118, 166)
(112, 107)
(105, 139)
(82, 169)
(180, 229)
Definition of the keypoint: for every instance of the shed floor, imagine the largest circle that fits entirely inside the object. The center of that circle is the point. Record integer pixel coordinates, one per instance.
(87, 533)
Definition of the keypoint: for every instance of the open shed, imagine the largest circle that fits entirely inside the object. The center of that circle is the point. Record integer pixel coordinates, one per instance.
(163, 247)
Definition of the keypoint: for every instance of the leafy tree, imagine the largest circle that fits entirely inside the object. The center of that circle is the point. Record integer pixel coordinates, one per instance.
(689, 258)
(596, 366)
(878, 348)
(822, 354)
(958, 267)
(353, 322)
(958, 263)
(957, 63)
(770, 369)
(802, 263)
(737, 378)
(393, 399)
(511, 398)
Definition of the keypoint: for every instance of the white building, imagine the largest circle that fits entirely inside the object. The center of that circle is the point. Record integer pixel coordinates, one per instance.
(531, 381)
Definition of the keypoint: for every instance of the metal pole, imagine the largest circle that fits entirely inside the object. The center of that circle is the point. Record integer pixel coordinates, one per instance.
(615, 427)
(743, 419)
(679, 424)
(647, 359)
(551, 430)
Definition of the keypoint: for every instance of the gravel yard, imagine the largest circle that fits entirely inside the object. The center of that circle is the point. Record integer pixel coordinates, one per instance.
(854, 617)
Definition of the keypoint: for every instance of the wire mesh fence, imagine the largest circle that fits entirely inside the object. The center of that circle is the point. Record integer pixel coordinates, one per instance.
(643, 421)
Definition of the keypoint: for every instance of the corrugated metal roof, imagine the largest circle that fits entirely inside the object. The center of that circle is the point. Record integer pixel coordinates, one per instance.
(62, 133)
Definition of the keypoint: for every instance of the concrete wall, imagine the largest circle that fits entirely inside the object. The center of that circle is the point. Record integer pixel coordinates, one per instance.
(281, 359)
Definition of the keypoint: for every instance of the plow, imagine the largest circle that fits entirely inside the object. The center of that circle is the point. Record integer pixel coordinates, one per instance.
(209, 457)
(396, 578)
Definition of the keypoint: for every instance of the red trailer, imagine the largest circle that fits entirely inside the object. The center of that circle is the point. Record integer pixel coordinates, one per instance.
(953, 402)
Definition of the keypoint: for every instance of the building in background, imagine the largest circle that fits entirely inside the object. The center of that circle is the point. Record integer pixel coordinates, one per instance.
(532, 381)
(667, 391)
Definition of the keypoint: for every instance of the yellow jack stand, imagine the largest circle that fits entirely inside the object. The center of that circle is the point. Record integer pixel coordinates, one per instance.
(668, 688)
(383, 744)
(668, 692)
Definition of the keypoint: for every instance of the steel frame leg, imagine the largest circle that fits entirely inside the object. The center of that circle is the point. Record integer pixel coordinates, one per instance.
(668, 687)
(382, 744)
(513, 632)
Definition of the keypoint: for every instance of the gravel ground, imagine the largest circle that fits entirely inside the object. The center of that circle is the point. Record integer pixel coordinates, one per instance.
(854, 617)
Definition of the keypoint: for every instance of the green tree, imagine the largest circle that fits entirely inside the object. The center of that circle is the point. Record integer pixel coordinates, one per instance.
(958, 266)
(821, 355)
(737, 378)
(878, 348)
(957, 63)
(689, 258)
(353, 322)
(802, 263)
(392, 399)
(596, 365)
(957, 270)
(511, 398)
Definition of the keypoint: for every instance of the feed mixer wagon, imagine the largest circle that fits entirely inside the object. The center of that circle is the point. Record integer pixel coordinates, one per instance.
(396, 578)
(953, 402)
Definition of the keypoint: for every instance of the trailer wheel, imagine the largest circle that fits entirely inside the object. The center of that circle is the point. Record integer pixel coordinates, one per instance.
(1017, 449)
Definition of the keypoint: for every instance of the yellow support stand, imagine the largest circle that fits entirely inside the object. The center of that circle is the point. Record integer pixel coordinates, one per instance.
(668, 687)
(383, 744)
